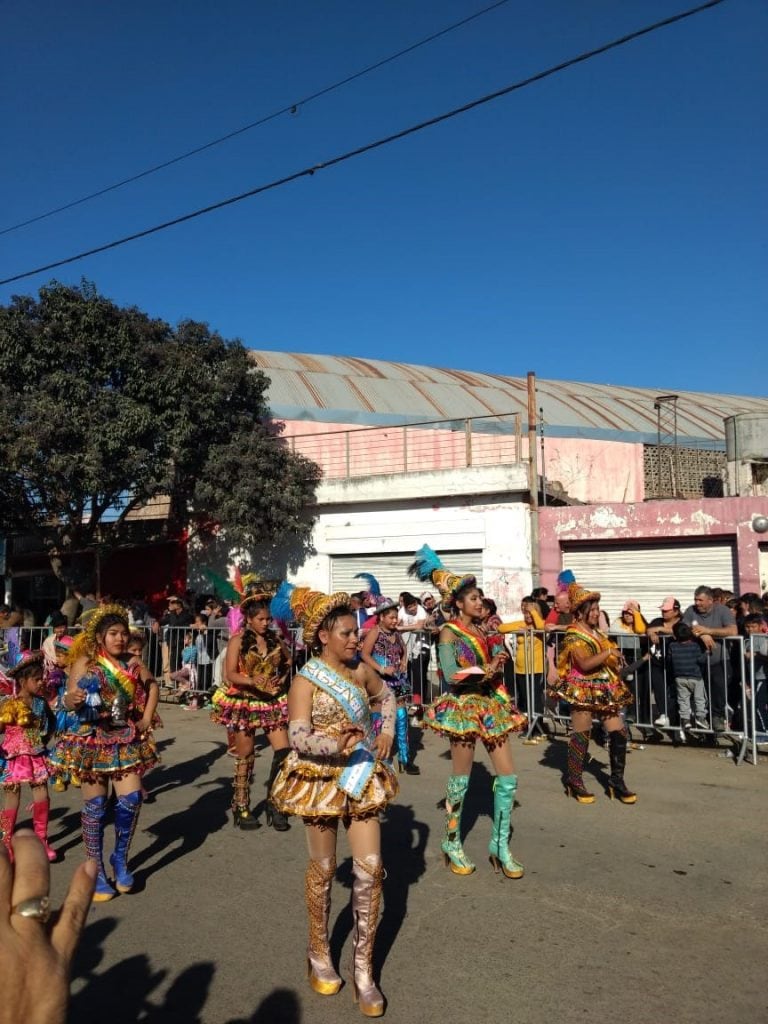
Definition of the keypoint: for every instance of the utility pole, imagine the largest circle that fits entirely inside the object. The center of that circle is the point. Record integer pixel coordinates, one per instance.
(533, 479)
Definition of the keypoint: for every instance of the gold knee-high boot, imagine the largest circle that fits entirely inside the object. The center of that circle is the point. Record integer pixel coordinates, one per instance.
(317, 891)
(366, 903)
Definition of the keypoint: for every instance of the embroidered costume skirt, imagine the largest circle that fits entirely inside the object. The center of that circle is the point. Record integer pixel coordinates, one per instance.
(241, 711)
(603, 695)
(400, 686)
(306, 786)
(486, 717)
(31, 769)
(95, 752)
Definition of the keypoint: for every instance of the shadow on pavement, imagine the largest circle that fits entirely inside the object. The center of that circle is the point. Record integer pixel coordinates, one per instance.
(280, 1007)
(123, 994)
(192, 825)
(170, 776)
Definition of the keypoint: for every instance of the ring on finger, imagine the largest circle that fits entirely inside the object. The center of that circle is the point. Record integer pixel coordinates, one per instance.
(38, 908)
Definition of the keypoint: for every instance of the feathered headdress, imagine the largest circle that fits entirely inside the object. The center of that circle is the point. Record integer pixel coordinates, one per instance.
(427, 566)
(305, 606)
(564, 580)
(373, 584)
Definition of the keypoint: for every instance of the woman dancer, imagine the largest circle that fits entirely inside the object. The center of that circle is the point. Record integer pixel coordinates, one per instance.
(253, 695)
(337, 771)
(384, 651)
(111, 740)
(588, 668)
(477, 706)
(26, 723)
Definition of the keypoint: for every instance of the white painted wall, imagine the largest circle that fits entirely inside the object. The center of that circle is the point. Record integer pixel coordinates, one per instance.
(500, 530)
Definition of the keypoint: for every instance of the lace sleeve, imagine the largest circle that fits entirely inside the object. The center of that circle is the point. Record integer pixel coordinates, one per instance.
(304, 740)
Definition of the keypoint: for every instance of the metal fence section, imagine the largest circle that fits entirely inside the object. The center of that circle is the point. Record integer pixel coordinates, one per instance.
(734, 687)
(413, 447)
(189, 664)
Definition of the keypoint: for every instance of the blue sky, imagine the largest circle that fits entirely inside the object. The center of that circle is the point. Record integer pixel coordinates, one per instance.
(608, 224)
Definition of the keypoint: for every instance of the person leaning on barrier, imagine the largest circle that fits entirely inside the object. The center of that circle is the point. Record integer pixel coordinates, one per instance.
(662, 686)
(712, 623)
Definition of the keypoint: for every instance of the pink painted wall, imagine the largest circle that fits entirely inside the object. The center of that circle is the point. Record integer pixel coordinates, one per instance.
(595, 470)
(587, 470)
(654, 520)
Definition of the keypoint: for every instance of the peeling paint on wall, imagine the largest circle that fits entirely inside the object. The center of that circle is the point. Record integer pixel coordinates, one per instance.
(605, 517)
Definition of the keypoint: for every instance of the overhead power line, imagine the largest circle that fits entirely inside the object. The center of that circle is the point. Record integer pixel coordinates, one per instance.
(370, 146)
(291, 108)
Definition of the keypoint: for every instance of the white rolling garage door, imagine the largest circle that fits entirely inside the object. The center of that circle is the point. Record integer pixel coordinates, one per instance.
(648, 572)
(391, 570)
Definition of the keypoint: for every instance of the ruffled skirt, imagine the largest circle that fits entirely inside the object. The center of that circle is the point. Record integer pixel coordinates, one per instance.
(475, 716)
(306, 787)
(111, 753)
(606, 695)
(244, 712)
(31, 769)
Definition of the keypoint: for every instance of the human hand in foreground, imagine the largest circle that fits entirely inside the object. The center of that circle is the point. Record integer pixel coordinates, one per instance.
(382, 746)
(36, 953)
(348, 738)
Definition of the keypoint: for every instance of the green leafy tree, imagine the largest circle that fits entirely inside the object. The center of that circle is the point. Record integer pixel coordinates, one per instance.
(104, 410)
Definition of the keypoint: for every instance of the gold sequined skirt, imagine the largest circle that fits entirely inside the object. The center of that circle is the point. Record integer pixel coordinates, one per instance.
(306, 786)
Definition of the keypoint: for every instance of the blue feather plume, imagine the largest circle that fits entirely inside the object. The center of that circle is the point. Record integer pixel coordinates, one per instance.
(565, 578)
(424, 563)
(280, 605)
(373, 583)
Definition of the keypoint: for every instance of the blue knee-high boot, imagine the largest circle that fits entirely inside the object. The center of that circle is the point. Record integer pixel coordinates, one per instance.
(403, 750)
(92, 818)
(126, 815)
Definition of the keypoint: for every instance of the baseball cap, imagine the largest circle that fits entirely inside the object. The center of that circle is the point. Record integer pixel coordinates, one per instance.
(668, 603)
(425, 595)
(631, 606)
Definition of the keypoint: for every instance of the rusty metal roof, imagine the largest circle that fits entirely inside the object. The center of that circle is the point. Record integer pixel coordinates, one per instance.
(342, 389)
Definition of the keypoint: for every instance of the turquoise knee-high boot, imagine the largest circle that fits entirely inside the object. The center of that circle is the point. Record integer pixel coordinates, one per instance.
(455, 858)
(504, 789)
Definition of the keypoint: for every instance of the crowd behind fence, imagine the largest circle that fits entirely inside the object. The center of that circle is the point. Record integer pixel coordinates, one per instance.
(189, 664)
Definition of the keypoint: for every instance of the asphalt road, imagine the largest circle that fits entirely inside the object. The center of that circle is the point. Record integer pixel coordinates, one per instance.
(651, 913)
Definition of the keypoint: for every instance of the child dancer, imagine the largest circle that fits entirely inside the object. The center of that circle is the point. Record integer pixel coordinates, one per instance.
(55, 688)
(26, 723)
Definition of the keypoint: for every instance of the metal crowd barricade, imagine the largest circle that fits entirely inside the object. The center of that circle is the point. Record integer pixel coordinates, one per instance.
(737, 682)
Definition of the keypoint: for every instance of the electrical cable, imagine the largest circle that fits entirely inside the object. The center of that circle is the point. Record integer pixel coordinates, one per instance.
(291, 108)
(370, 146)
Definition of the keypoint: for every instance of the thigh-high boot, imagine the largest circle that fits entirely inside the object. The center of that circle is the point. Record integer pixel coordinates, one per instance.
(92, 818)
(403, 747)
(126, 818)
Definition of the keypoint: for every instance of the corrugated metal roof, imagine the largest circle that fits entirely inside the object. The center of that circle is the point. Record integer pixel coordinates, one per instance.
(337, 389)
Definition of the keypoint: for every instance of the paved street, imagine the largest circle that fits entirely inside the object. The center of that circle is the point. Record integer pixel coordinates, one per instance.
(650, 913)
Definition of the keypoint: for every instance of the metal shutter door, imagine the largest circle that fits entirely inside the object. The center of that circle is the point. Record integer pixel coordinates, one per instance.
(648, 572)
(391, 571)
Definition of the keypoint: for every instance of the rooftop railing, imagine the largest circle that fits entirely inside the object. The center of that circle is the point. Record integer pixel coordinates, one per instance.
(413, 447)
